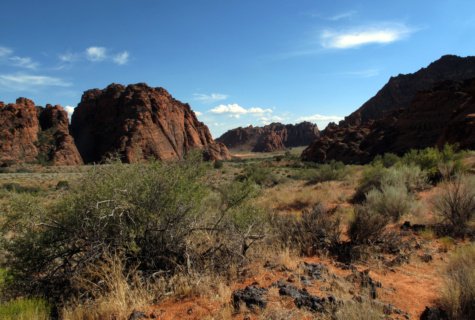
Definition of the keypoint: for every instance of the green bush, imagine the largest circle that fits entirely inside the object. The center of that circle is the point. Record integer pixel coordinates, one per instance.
(374, 177)
(458, 293)
(367, 226)
(160, 217)
(259, 174)
(387, 160)
(392, 201)
(432, 160)
(218, 164)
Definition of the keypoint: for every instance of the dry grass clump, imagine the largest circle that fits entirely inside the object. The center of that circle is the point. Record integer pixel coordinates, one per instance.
(359, 311)
(112, 292)
(458, 295)
(455, 204)
(316, 230)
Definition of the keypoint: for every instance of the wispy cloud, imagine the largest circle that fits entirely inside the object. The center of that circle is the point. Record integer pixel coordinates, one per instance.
(209, 98)
(28, 82)
(7, 57)
(121, 58)
(68, 57)
(198, 113)
(342, 16)
(23, 62)
(96, 54)
(365, 35)
(5, 52)
(269, 119)
(235, 110)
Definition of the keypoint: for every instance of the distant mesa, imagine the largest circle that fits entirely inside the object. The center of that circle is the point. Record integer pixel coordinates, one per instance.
(434, 106)
(29, 133)
(269, 138)
(137, 122)
(134, 123)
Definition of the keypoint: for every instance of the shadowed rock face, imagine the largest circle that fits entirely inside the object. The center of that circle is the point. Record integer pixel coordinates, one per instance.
(273, 137)
(138, 122)
(31, 134)
(427, 108)
(445, 114)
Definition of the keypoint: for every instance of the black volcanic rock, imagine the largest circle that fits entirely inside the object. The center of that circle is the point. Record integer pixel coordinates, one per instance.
(272, 137)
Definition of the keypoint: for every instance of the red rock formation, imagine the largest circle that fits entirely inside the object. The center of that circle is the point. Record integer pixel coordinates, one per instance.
(58, 147)
(410, 111)
(445, 114)
(18, 132)
(138, 122)
(32, 134)
(273, 137)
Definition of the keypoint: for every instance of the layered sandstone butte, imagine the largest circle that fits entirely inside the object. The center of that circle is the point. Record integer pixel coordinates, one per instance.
(427, 108)
(31, 134)
(137, 122)
(273, 137)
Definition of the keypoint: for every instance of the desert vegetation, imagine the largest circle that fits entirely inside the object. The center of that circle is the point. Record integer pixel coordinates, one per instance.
(245, 238)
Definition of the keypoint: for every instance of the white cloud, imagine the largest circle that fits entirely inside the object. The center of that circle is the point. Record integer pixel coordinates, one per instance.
(4, 52)
(269, 120)
(357, 37)
(96, 53)
(28, 82)
(68, 57)
(235, 110)
(341, 16)
(23, 62)
(209, 98)
(198, 113)
(121, 58)
(320, 117)
(69, 110)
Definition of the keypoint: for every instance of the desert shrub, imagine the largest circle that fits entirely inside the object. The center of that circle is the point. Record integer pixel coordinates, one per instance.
(432, 160)
(218, 164)
(367, 226)
(160, 217)
(374, 177)
(458, 294)
(259, 174)
(392, 201)
(316, 230)
(455, 204)
(16, 187)
(335, 170)
(25, 309)
(62, 185)
(387, 160)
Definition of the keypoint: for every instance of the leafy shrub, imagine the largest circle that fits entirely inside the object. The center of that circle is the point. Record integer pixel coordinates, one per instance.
(374, 177)
(316, 230)
(387, 160)
(431, 160)
(218, 164)
(458, 294)
(456, 203)
(367, 226)
(392, 201)
(159, 217)
(259, 174)
(333, 171)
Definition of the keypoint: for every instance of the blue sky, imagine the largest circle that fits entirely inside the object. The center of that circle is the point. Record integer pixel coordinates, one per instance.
(237, 62)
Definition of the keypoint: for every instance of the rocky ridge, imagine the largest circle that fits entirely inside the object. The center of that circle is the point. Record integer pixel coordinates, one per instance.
(431, 107)
(272, 137)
